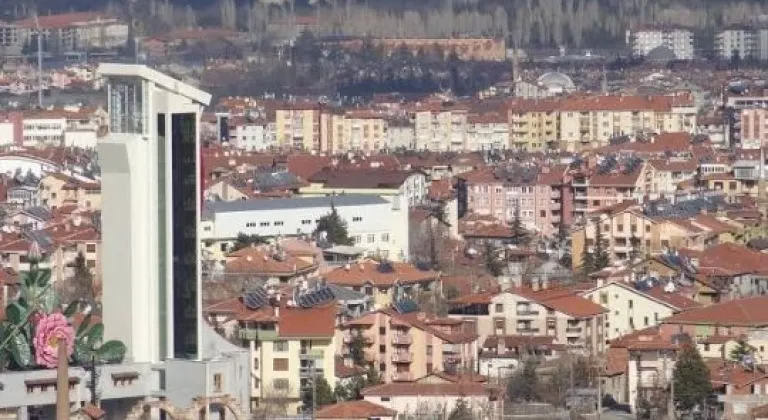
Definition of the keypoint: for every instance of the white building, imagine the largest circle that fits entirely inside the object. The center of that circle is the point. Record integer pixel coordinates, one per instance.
(150, 212)
(736, 42)
(249, 135)
(487, 131)
(761, 36)
(400, 135)
(679, 40)
(375, 224)
(43, 131)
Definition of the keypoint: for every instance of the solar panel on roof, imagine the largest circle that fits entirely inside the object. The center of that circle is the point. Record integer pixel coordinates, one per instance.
(405, 306)
(256, 298)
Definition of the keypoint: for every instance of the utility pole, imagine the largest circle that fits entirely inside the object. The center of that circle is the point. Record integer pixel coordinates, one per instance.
(39, 63)
(62, 381)
(671, 407)
(314, 390)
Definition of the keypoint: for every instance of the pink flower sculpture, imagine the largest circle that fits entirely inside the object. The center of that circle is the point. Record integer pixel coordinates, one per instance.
(48, 331)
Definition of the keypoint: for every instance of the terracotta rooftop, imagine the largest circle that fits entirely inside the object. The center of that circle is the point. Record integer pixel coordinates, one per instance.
(433, 390)
(359, 409)
(260, 261)
(371, 272)
(748, 312)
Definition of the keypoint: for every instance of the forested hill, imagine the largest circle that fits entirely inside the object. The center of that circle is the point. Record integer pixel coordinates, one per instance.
(576, 23)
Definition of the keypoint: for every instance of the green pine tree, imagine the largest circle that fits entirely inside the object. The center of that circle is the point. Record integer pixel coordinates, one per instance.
(493, 263)
(691, 378)
(522, 386)
(742, 349)
(600, 256)
(357, 350)
(335, 228)
(517, 230)
(323, 394)
(244, 241)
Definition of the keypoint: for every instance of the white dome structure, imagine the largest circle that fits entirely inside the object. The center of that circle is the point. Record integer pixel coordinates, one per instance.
(556, 82)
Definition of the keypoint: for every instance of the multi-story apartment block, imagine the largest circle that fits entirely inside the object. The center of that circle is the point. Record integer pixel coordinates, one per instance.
(290, 341)
(404, 347)
(678, 40)
(75, 31)
(401, 134)
(383, 280)
(298, 126)
(249, 135)
(534, 124)
(609, 184)
(754, 128)
(57, 190)
(573, 320)
(736, 42)
(11, 42)
(355, 130)
(440, 126)
(593, 121)
(487, 131)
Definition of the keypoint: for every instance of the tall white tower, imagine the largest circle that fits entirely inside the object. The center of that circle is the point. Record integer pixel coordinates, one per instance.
(150, 169)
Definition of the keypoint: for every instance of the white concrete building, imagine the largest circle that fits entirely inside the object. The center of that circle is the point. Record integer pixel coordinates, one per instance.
(761, 36)
(736, 42)
(678, 40)
(43, 131)
(6, 133)
(249, 135)
(400, 135)
(150, 211)
(487, 132)
(375, 224)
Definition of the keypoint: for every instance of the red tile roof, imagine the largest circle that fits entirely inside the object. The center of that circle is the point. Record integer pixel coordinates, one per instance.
(360, 409)
(749, 312)
(434, 390)
(673, 298)
(319, 321)
(368, 272)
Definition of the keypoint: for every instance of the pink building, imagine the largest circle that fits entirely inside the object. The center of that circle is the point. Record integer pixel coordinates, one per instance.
(754, 128)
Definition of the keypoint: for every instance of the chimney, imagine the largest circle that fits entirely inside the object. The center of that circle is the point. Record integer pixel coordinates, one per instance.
(535, 284)
(76, 221)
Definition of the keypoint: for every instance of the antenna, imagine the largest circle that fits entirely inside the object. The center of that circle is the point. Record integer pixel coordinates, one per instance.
(39, 63)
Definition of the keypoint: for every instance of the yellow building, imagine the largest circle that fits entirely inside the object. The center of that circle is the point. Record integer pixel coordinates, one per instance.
(357, 130)
(405, 347)
(288, 345)
(534, 124)
(379, 280)
(588, 122)
(440, 126)
(298, 126)
(57, 190)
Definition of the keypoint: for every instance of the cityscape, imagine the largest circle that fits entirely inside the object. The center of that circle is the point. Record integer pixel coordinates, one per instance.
(313, 210)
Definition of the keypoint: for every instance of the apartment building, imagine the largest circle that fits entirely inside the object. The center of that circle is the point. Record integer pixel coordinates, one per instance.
(401, 134)
(737, 42)
(375, 224)
(487, 131)
(610, 183)
(573, 320)
(250, 134)
(58, 190)
(440, 126)
(627, 229)
(298, 127)
(754, 128)
(10, 39)
(355, 130)
(290, 343)
(534, 124)
(76, 31)
(593, 121)
(405, 346)
(384, 279)
(678, 40)
(632, 309)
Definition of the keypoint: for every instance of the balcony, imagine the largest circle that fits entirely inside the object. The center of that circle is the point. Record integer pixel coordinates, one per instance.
(253, 334)
(402, 377)
(306, 371)
(573, 330)
(527, 312)
(451, 349)
(311, 354)
(349, 338)
(402, 357)
(527, 330)
(401, 339)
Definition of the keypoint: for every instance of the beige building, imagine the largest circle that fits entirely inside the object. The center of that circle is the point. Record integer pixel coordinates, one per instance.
(298, 126)
(573, 320)
(534, 124)
(288, 344)
(407, 346)
(587, 122)
(440, 127)
(57, 190)
(354, 130)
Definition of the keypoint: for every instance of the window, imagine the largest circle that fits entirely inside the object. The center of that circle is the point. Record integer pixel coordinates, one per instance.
(255, 363)
(499, 307)
(280, 384)
(645, 321)
(280, 365)
(382, 330)
(384, 237)
(630, 304)
(620, 228)
(357, 219)
(280, 346)
(90, 248)
(217, 382)
(90, 263)
(306, 222)
(278, 223)
(603, 298)
(264, 224)
(382, 348)
(382, 367)
(706, 347)
(647, 228)
(384, 399)
(371, 238)
(543, 213)
(358, 239)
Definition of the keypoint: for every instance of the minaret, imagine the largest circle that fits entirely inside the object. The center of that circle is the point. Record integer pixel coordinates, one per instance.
(762, 200)
(604, 83)
(516, 75)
